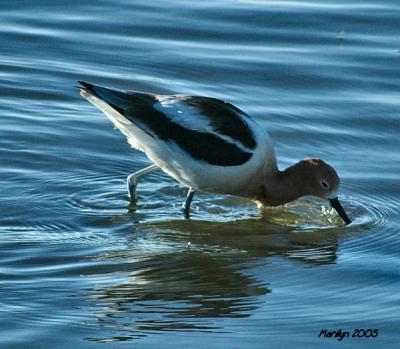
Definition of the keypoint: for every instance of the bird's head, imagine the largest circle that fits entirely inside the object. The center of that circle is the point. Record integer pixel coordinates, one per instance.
(321, 180)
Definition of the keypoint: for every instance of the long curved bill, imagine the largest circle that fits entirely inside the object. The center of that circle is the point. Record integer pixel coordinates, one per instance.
(339, 209)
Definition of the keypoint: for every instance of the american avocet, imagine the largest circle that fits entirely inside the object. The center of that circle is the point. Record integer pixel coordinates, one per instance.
(209, 145)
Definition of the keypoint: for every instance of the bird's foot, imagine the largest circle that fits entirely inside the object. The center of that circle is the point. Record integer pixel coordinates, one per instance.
(131, 186)
(186, 204)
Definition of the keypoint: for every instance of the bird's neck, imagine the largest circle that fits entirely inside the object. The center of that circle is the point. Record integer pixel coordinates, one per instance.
(281, 187)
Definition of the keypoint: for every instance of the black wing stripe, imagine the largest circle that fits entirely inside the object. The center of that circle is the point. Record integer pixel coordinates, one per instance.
(138, 108)
(200, 145)
(225, 118)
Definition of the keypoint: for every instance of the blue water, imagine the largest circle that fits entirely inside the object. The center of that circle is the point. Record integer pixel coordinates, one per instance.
(78, 268)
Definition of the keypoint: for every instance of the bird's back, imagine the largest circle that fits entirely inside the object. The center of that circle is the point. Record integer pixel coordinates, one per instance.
(201, 141)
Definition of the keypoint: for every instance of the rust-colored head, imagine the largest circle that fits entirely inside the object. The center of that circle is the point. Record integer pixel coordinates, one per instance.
(320, 179)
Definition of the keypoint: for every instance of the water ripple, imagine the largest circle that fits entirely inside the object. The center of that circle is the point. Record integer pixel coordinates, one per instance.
(78, 264)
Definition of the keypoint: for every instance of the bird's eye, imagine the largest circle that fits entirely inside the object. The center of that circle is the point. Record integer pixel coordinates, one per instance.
(324, 184)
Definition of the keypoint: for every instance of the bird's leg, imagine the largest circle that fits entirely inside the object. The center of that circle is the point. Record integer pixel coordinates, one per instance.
(188, 201)
(133, 179)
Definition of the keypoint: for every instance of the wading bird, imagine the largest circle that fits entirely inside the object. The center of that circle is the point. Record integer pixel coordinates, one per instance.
(209, 145)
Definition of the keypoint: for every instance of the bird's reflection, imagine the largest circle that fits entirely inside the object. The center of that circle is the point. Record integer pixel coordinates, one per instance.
(205, 274)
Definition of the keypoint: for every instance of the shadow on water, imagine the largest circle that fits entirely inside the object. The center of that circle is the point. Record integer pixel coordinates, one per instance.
(185, 274)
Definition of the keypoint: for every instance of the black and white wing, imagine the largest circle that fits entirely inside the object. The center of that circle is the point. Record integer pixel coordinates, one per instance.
(207, 129)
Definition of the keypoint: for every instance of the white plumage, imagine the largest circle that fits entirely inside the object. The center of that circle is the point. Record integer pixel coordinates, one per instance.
(211, 146)
(178, 163)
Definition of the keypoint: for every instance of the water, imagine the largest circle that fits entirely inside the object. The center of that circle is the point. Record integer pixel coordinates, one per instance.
(78, 268)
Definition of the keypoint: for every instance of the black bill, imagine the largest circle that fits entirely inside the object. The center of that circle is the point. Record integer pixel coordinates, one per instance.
(339, 209)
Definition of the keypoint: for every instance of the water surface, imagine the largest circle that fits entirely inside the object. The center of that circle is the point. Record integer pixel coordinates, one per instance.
(79, 268)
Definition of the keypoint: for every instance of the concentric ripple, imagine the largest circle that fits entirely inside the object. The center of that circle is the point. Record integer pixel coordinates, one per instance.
(78, 265)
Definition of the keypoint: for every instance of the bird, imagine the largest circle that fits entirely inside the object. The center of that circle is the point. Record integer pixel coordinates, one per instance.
(209, 145)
